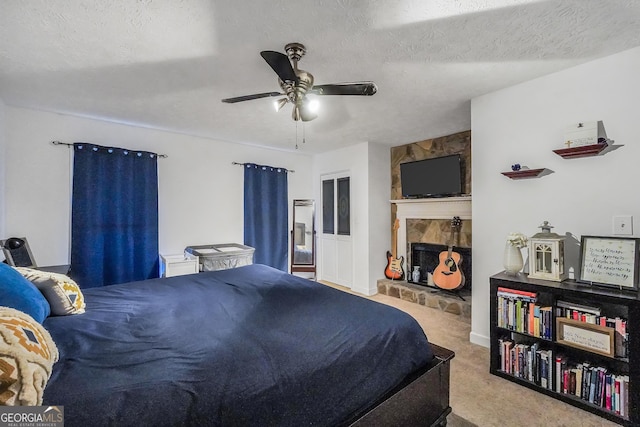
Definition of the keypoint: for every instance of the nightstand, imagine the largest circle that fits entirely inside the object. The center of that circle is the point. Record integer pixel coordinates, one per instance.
(178, 265)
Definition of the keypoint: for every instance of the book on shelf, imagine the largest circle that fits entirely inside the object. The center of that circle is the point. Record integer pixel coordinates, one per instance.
(560, 364)
(577, 387)
(621, 338)
(546, 369)
(516, 293)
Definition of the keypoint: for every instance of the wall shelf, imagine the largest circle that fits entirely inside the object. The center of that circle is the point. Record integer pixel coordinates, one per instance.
(524, 173)
(582, 151)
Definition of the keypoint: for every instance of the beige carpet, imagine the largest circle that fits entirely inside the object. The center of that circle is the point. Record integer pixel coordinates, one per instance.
(478, 397)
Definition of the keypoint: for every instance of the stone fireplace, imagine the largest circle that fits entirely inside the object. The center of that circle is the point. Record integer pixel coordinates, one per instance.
(428, 220)
(425, 225)
(424, 230)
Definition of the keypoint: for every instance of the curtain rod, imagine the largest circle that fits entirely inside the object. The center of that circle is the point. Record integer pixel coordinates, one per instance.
(162, 156)
(242, 164)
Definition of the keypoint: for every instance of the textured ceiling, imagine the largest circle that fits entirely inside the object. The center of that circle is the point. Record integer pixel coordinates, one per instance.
(167, 64)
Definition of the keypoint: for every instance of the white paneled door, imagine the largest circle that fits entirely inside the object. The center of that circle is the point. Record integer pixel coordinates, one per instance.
(336, 247)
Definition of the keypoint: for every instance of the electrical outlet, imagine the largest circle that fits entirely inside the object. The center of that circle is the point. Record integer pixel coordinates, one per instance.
(623, 224)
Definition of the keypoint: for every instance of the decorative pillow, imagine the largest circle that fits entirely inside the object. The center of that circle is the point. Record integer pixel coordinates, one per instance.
(62, 292)
(27, 354)
(17, 292)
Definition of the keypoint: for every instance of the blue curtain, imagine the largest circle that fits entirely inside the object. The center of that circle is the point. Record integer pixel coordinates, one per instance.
(265, 214)
(114, 216)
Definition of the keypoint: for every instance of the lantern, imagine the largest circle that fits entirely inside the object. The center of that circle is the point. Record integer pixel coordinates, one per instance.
(546, 255)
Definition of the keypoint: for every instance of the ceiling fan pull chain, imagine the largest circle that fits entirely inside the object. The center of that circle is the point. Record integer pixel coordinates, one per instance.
(296, 135)
(304, 138)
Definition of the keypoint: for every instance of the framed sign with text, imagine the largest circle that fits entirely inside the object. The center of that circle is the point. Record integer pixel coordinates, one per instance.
(609, 261)
(586, 336)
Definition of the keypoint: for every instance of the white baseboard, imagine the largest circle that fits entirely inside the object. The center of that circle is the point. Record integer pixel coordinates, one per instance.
(479, 339)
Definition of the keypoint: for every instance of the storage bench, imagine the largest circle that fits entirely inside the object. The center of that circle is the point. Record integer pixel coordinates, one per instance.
(221, 256)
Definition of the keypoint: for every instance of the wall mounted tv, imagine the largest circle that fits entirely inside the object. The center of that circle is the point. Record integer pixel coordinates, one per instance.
(436, 177)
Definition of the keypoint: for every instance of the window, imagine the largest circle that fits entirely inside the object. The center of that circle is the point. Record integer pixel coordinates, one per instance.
(336, 209)
(344, 208)
(327, 206)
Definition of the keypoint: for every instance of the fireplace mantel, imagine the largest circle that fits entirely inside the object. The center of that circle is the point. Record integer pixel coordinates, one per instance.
(436, 208)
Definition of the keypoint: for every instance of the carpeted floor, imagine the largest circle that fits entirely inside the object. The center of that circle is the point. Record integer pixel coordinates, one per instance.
(454, 420)
(479, 398)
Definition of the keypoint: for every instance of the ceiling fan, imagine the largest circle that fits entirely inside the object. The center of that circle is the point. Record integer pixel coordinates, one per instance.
(296, 83)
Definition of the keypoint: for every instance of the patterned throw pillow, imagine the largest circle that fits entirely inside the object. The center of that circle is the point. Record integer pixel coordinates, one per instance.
(27, 354)
(62, 293)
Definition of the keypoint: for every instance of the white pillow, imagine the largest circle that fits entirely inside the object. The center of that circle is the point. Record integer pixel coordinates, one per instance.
(62, 293)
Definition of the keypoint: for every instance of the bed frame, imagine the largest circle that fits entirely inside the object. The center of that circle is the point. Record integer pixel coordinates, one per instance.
(422, 400)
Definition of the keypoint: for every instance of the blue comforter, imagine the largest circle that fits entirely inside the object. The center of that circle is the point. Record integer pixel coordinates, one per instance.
(250, 346)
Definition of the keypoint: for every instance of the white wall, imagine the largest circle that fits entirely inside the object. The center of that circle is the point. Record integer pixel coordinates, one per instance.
(200, 191)
(2, 163)
(379, 207)
(369, 167)
(523, 124)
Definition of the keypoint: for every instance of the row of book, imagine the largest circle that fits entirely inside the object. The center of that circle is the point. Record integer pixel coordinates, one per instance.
(593, 384)
(518, 311)
(593, 315)
(528, 362)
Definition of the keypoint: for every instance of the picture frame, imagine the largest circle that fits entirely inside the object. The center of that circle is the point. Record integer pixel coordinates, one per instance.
(586, 336)
(609, 261)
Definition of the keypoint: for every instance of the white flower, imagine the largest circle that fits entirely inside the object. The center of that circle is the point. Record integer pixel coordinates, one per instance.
(518, 240)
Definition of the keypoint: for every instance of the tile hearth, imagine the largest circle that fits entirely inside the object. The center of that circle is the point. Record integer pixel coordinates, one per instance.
(429, 297)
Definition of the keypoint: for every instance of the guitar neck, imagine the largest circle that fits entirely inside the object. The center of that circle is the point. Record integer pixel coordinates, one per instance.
(394, 244)
(455, 223)
(450, 243)
(394, 240)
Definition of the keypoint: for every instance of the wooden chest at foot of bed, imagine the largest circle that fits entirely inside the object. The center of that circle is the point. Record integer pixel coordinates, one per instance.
(422, 400)
(221, 256)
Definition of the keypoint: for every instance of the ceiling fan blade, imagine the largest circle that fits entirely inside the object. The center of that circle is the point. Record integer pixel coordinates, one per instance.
(250, 97)
(359, 88)
(280, 63)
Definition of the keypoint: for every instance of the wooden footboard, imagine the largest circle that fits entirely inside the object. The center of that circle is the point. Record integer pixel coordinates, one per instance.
(422, 400)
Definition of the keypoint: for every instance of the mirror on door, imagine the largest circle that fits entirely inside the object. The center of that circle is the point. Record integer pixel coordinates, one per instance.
(303, 245)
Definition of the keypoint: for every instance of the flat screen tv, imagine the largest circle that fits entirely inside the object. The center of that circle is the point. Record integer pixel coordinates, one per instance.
(436, 177)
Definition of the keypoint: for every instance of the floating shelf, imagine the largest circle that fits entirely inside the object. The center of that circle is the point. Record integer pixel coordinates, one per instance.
(524, 173)
(583, 151)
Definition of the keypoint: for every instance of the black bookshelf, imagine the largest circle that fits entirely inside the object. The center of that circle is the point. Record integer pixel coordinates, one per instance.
(621, 302)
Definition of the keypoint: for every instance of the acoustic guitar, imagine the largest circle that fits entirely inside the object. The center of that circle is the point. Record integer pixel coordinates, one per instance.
(448, 274)
(394, 270)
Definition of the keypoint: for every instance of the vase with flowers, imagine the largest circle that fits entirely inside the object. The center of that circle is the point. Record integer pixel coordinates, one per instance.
(512, 259)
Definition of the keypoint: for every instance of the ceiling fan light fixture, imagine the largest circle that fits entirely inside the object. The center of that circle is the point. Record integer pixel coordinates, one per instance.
(307, 113)
(313, 105)
(279, 103)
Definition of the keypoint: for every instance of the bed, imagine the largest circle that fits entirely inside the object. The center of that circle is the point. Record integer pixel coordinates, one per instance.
(245, 346)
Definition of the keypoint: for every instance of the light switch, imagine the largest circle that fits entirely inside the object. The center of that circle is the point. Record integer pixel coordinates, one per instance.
(623, 224)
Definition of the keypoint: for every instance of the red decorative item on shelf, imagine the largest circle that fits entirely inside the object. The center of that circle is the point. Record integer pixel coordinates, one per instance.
(582, 151)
